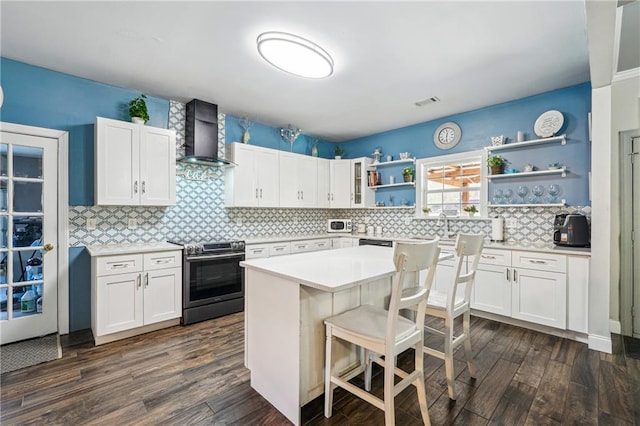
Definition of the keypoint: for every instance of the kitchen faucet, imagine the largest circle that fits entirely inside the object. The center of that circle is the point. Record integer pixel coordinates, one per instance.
(445, 224)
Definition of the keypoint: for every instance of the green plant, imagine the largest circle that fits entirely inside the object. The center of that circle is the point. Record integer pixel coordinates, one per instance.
(471, 209)
(338, 152)
(407, 171)
(496, 161)
(138, 108)
(426, 210)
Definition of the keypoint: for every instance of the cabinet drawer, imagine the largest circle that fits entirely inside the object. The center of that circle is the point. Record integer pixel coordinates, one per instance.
(495, 257)
(278, 249)
(121, 264)
(300, 246)
(317, 245)
(540, 261)
(162, 260)
(255, 251)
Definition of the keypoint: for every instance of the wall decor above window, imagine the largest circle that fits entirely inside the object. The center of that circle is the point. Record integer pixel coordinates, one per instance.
(447, 135)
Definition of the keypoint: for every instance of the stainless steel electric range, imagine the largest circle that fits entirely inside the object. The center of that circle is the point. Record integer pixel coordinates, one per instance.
(213, 281)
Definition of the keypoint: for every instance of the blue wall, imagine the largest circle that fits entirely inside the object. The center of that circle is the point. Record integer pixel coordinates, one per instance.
(269, 137)
(40, 97)
(504, 119)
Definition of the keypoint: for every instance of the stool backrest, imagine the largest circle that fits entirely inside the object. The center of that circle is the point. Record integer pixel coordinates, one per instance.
(409, 260)
(467, 246)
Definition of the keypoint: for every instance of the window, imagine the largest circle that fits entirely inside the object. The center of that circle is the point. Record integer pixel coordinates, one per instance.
(450, 184)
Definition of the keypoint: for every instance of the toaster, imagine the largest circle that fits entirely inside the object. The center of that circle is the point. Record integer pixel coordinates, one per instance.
(571, 230)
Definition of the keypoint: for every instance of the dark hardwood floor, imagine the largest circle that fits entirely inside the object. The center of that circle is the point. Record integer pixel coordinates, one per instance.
(195, 375)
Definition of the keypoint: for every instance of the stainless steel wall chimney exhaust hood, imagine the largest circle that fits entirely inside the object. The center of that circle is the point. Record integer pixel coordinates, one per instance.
(201, 135)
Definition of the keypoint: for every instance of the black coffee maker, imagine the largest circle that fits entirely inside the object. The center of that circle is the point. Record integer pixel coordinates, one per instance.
(570, 229)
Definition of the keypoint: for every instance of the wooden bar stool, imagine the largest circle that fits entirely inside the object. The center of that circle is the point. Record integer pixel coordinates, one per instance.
(454, 303)
(379, 331)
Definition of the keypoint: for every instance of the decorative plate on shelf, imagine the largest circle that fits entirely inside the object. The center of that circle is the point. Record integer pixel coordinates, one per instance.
(548, 123)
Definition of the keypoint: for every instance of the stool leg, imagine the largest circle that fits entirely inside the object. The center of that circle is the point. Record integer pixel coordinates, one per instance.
(448, 356)
(367, 370)
(422, 392)
(467, 344)
(328, 372)
(389, 374)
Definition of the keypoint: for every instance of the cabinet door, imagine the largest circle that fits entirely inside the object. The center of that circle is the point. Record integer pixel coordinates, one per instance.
(241, 181)
(157, 167)
(445, 272)
(539, 297)
(340, 180)
(162, 295)
(300, 246)
(255, 251)
(117, 160)
(578, 293)
(492, 289)
(289, 185)
(323, 189)
(307, 180)
(279, 249)
(268, 178)
(119, 302)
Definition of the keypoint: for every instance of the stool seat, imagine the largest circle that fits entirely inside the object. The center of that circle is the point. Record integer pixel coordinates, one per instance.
(370, 322)
(438, 300)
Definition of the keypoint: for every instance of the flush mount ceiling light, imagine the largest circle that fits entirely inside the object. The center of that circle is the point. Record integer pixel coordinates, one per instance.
(295, 55)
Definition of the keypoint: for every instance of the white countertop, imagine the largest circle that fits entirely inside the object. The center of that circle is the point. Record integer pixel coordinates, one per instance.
(509, 245)
(331, 270)
(114, 249)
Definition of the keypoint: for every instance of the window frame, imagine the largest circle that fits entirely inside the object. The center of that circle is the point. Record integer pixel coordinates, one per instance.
(429, 162)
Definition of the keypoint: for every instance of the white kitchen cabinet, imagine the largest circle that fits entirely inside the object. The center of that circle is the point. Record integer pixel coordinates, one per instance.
(340, 178)
(323, 187)
(254, 181)
(256, 251)
(445, 271)
(492, 287)
(135, 293)
(342, 242)
(279, 249)
(135, 164)
(298, 180)
(360, 194)
(539, 296)
(577, 293)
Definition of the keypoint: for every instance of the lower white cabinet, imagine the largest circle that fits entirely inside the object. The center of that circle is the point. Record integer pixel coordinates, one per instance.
(529, 286)
(133, 292)
(342, 242)
(254, 251)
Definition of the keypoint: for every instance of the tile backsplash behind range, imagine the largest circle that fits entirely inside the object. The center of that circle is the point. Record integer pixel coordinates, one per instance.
(199, 213)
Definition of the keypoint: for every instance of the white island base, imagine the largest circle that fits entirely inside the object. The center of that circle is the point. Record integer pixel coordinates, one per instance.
(287, 299)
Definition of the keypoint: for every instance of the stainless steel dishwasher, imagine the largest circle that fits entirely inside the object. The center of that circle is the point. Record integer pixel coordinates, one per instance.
(372, 242)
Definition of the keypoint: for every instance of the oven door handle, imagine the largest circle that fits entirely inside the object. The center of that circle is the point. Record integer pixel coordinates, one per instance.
(215, 256)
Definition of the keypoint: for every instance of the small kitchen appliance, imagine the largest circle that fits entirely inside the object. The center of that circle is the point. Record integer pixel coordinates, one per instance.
(339, 225)
(213, 281)
(571, 230)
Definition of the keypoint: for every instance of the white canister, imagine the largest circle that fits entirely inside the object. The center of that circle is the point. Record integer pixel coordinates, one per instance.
(392, 180)
(520, 136)
(370, 229)
(378, 230)
(497, 229)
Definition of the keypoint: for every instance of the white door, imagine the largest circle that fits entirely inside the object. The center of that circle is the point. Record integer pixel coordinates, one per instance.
(635, 226)
(28, 240)
(492, 289)
(308, 180)
(244, 189)
(162, 295)
(539, 297)
(289, 185)
(323, 189)
(340, 171)
(268, 178)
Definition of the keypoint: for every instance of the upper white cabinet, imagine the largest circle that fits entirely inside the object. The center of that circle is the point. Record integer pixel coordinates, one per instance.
(340, 177)
(254, 181)
(298, 180)
(360, 195)
(323, 189)
(135, 164)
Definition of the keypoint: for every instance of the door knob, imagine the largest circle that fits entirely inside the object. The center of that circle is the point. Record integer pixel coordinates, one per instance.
(48, 247)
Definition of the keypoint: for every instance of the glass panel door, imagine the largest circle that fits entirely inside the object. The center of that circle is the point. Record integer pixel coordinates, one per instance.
(28, 222)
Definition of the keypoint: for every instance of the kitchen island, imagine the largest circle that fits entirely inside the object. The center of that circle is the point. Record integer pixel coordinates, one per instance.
(287, 299)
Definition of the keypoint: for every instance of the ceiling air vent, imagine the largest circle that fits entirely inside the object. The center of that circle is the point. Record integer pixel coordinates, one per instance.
(427, 101)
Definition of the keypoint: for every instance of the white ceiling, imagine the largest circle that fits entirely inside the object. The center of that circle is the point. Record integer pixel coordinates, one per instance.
(387, 55)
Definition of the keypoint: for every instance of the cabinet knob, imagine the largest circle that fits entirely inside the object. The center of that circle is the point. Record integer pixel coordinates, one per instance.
(143, 187)
(48, 247)
(135, 187)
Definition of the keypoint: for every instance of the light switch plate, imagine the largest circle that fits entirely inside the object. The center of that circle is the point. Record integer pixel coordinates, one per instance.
(511, 223)
(91, 223)
(132, 223)
(407, 220)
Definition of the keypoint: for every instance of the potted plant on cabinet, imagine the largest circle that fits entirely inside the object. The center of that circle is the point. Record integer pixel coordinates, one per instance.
(407, 174)
(338, 152)
(496, 163)
(138, 109)
(471, 210)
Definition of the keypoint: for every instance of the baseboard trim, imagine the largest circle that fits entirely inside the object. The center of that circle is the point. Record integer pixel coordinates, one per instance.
(615, 327)
(108, 338)
(600, 343)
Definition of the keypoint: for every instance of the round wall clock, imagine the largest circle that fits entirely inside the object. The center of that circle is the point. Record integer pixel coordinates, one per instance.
(447, 135)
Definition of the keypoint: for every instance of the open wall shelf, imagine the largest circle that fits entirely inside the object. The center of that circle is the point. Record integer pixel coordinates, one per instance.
(562, 139)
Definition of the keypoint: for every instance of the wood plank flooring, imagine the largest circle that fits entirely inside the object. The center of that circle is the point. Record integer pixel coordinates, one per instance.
(195, 375)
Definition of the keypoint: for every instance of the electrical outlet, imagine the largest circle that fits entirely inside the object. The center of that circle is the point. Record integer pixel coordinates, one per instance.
(295, 219)
(367, 220)
(511, 223)
(132, 223)
(91, 223)
(407, 220)
(238, 222)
